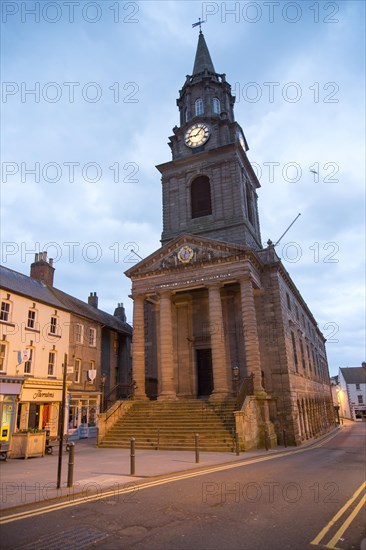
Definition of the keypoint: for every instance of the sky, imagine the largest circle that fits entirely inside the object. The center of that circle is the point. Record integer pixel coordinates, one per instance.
(88, 103)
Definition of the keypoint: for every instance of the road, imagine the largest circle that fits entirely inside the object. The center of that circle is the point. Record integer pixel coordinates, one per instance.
(313, 498)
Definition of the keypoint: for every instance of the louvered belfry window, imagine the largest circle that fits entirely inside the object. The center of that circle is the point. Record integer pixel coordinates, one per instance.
(201, 197)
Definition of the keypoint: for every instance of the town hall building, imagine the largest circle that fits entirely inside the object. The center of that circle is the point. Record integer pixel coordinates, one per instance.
(213, 309)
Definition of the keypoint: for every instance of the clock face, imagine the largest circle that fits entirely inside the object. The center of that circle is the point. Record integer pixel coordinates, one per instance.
(197, 135)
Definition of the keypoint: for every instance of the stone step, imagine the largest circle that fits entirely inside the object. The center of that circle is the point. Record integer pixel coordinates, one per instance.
(177, 423)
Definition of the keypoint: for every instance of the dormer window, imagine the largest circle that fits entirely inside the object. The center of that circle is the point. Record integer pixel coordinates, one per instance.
(198, 107)
(216, 106)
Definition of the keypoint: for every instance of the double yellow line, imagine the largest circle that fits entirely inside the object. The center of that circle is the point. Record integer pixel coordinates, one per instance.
(45, 509)
(346, 523)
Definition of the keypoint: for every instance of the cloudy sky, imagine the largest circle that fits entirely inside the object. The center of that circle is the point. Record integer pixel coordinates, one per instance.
(88, 104)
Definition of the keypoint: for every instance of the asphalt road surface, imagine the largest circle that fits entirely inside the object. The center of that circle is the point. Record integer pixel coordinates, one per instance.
(313, 498)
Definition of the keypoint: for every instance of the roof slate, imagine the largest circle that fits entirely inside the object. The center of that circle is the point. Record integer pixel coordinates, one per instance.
(354, 375)
(32, 288)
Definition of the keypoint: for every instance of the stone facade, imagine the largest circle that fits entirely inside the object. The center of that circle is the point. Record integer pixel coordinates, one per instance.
(212, 304)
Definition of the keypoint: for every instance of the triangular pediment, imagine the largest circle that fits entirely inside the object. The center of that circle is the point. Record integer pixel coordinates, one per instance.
(188, 251)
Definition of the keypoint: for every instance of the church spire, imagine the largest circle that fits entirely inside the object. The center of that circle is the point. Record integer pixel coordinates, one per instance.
(203, 59)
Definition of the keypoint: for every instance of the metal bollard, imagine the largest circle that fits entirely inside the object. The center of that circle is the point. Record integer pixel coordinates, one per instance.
(196, 448)
(237, 450)
(284, 438)
(132, 456)
(70, 466)
(158, 444)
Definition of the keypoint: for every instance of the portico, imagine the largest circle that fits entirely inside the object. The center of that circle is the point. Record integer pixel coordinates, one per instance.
(204, 316)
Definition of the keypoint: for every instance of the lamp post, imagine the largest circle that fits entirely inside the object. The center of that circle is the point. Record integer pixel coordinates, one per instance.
(236, 382)
(103, 379)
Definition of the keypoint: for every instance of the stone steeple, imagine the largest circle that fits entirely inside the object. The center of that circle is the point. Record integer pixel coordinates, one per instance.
(203, 61)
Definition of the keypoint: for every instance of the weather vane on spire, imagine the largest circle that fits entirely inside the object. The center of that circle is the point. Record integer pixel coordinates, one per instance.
(199, 23)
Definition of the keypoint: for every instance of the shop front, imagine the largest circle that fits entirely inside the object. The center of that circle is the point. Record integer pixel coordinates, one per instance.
(9, 395)
(39, 405)
(83, 413)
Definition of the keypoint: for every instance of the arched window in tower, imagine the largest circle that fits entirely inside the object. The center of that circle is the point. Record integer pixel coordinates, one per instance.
(186, 114)
(198, 106)
(201, 197)
(249, 204)
(216, 106)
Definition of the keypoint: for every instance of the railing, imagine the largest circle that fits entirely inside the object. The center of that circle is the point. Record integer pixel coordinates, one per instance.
(246, 388)
(118, 392)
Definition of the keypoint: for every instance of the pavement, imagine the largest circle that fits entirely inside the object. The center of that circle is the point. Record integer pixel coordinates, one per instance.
(100, 470)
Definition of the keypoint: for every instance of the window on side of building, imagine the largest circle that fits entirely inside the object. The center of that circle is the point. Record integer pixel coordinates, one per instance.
(5, 311)
(198, 106)
(79, 333)
(3, 355)
(53, 325)
(28, 365)
(52, 363)
(295, 351)
(216, 106)
(31, 321)
(201, 197)
(92, 337)
(77, 373)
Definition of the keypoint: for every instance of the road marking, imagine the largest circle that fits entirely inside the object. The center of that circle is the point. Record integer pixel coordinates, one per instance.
(154, 483)
(339, 514)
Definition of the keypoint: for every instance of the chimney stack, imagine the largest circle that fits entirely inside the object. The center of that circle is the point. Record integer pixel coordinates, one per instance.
(41, 270)
(120, 312)
(93, 300)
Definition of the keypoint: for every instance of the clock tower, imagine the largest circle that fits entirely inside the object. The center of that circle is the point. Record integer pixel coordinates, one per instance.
(209, 186)
(216, 315)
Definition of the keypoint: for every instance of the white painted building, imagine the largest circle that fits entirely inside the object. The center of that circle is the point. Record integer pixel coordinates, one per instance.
(352, 392)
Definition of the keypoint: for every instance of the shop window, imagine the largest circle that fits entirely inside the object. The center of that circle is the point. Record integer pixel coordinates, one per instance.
(5, 312)
(216, 106)
(79, 333)
(28, 364)
(201, 197)
(92, 337)
(51, 363)
(77, 370)
(3, 350)
(198, 107)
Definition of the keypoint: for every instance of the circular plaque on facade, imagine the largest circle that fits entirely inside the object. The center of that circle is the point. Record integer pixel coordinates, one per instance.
(185, 254)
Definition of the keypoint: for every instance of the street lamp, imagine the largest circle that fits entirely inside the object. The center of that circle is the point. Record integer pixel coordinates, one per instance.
(236, 382)
(103, 379)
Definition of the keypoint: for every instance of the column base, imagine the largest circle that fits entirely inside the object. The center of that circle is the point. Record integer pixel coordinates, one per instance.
(167, 396)
(140, 397)
(219, 395)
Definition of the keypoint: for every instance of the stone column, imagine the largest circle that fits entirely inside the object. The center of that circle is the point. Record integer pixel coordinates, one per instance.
(251, 340)
(138, 347)
(167, 382)
(218, 348)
